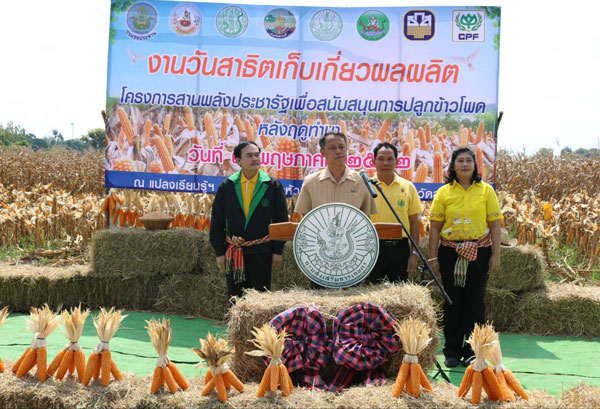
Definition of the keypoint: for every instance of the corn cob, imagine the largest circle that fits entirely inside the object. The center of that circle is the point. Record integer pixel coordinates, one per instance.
(384, 128)
(249, 130)
(157, 131)
(323, 117)
(343, 127)
(224, 126)
(121, 140)
(124, 164)
(438, 171)
(400, 130)
(480, 129)
(428, 132)
(147, 130)
(410, 137)
(266, 141)
(167, 123)
(163, 152)
(422, 172)
(463, 138)
(479, 160)
(126, 125)
(257, 120)
(211, 132)
(422, 140)
(181, 122)
(437, 146)
(311, 119)
(169, 144)
(238, 122)
(189, 119)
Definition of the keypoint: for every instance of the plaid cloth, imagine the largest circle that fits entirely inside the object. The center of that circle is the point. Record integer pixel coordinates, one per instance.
(234, 256)
(467, 252)
(308, 347)
(363, 336)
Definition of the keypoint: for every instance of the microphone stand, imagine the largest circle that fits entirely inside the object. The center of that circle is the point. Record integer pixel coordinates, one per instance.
(415, 246)
(440, 370)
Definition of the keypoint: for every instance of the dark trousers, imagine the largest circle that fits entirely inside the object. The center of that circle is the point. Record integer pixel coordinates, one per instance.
(258, 274)
(468, 302)
(392, 261)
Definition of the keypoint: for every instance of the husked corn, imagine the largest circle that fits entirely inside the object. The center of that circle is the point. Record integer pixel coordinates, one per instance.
(126, 125)
(421, 175)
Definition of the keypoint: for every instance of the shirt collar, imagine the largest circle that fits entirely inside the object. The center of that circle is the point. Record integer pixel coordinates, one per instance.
(396, 179)
(251, 180)
(327, 175)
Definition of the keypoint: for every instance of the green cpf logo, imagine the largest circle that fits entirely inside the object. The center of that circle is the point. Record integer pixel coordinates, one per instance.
(401, 203)
(468, 22)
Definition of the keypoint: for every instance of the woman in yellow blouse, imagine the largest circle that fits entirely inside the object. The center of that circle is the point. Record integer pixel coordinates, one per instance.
(465, 216)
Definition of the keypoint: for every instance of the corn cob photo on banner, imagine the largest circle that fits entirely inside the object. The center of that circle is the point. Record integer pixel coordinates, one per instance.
(165, 372)
(71, 358)
(100, 362)
(270, 344)
(415, 338)
(215, 354)
(43, 322)
(479, 375)
(509, 384)
(3, 316)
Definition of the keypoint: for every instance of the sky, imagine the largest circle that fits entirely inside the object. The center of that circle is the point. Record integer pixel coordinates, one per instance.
(54, 66)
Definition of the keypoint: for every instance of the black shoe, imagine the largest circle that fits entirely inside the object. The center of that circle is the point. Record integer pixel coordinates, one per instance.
(467, 361)
(451, 362)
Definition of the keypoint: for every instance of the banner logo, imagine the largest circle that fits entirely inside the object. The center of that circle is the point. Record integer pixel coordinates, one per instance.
(141, 21)
(468, 25)
(231, 21)
(185, 19)
(419, 25)
(280, 23)
(372, 25)
(336, 245)
(326, 25)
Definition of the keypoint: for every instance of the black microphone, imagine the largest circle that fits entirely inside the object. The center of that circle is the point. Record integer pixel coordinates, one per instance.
(365, 178)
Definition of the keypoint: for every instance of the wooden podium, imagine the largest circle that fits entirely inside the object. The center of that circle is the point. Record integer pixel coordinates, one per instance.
(286, 231)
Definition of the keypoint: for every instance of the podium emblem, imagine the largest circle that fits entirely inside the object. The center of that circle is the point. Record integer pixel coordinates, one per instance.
(336, 245)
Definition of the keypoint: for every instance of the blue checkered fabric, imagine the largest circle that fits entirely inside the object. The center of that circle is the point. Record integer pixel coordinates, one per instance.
(364, 337)
(308, 347)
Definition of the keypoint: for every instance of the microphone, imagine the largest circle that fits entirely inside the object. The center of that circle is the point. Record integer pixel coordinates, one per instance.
(365, 178)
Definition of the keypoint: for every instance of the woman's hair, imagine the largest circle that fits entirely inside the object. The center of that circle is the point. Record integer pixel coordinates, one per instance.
(452, 172)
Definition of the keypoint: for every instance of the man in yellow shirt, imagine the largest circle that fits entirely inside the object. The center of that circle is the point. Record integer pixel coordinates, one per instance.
(395, 257)
(244, 206)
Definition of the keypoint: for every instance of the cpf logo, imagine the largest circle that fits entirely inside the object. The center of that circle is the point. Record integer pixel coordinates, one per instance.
(468, 25)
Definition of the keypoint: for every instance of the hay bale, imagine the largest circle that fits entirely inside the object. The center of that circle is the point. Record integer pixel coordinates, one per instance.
(132, 393)
(191, 294)
(254, 309)
(289, 274)
(559, 309)
(134, 251)
(521, 269)
(22, 287)
(581, 396)
(500, 306)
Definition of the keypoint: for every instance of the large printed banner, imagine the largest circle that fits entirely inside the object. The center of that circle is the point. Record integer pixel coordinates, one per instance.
(189, 81)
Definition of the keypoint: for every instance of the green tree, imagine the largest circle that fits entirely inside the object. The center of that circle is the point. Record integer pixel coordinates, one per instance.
(494, 15)
(13, 134)
(94, 138)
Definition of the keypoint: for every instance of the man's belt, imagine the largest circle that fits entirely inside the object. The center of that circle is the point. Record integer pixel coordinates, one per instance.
(234, 256)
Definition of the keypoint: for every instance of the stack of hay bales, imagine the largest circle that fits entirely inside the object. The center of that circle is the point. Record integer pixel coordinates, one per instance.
(255, 309)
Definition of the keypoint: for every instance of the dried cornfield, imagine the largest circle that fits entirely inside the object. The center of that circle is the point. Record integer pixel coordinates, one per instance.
(63, 169)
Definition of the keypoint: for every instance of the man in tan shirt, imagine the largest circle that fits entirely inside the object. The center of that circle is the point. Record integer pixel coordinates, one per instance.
(335, 183)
